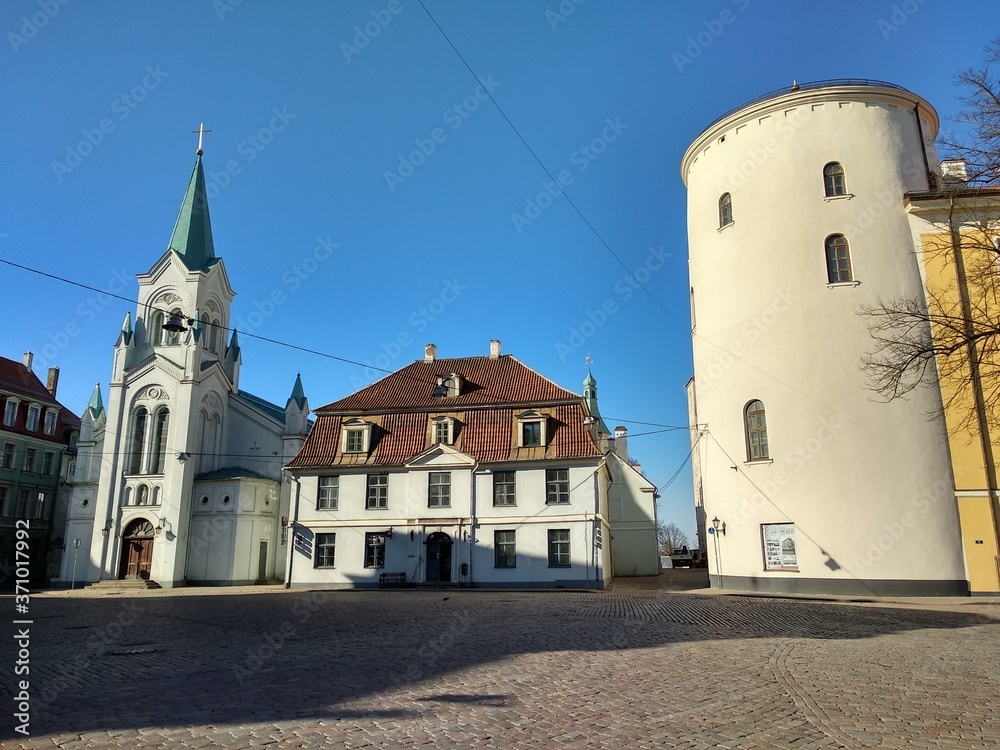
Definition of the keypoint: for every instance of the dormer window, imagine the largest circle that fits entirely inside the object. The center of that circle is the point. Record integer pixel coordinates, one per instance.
(10, 412)
(443, 430)
(449, 384)
(50, 422)
(32, 423)
(531, 430)
(356, 436)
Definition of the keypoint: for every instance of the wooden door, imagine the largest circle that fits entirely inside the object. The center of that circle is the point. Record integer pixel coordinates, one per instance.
(137, 550)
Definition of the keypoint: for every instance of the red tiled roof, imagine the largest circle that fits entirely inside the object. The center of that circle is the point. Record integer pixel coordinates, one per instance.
(488, 381)
(400, 406)
(15, 377)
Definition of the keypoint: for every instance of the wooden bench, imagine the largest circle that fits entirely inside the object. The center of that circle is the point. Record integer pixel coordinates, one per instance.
(391, 579)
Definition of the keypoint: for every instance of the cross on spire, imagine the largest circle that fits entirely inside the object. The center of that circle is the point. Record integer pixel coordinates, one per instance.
(588, 360)
(201, 134)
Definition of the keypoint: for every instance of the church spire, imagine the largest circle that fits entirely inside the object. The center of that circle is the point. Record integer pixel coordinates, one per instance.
(192, 236)
(96, 405)
(298, 393)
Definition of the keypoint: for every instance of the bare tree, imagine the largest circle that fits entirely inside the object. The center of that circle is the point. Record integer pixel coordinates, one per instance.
(952, 335)
(670, 538)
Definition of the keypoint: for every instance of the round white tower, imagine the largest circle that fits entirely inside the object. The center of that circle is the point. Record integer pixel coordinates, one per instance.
(796, 220)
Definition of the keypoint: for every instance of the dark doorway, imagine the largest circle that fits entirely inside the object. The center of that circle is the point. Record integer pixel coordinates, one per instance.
(438, 558)
(137, 550)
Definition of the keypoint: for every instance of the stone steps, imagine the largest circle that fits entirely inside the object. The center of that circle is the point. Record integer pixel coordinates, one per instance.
(126, 585)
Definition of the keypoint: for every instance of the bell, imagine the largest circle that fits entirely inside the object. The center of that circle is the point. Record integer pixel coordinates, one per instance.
(174, 324)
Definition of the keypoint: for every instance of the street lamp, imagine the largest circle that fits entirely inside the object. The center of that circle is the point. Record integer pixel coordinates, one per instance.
(76, 555)
(718, 527)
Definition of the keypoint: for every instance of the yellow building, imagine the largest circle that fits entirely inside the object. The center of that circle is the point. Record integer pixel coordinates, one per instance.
(956, 232)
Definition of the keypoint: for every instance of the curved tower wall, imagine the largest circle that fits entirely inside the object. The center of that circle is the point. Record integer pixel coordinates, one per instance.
(867, 485)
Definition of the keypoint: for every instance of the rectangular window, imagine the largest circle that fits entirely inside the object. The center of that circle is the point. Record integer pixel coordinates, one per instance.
(442, 432)
(3, 502)
(29, 459)
(503, 488)
(325, 547)
(556, 486)
(329, 493)
(355, 442)
(22, 504)
(375, 550)
(7, 456)
(32, 424)
(378, 491)
(558, 548)
(503, 550)
(48, 461)
(71, 469)
(10, 413)
(40, 505)
(439, 490)
(531, 434)
(50, 422)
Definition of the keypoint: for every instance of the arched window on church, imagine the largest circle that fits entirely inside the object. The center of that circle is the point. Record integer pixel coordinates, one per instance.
(206, 328)
(155, 329)
(139, 419)
(216, 334)
(158, 456)
(216, 440)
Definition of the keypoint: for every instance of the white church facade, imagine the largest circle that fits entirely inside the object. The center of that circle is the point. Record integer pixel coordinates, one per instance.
(178, 478)
(796, 219)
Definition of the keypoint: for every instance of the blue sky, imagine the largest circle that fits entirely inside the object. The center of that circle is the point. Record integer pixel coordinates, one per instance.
(360, 176)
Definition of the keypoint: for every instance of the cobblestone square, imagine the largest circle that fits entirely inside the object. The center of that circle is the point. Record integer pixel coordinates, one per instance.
(462, 669)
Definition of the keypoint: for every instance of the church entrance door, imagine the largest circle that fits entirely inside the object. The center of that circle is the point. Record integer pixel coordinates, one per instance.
(137, 550)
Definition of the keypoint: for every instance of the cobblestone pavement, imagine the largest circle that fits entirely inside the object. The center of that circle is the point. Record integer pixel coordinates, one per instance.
(469, 669)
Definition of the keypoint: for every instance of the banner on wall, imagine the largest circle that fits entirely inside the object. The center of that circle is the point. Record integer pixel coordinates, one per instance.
(779, 546)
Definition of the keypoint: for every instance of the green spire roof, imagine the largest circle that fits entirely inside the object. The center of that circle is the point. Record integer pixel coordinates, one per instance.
(96, 405)
(298, 393)
(192, 237)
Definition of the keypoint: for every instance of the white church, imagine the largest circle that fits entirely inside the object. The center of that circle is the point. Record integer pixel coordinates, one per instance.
(178, 479)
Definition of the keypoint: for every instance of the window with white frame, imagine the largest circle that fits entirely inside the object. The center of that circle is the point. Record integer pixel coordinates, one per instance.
(326, 546)
(504, 488)
(7, 456)
(138, 440)
(356, 436)
(375, 550)
(504, 552)
(556, 486)
(444, 430)
(40, 505)
(34, 412)
(29, 459)
(439, 489)
(531, 430)
(378, 491)
(329, 493)
(50, 422)
(559, 548)
(158, 456)
(10, 413)
(71, 469)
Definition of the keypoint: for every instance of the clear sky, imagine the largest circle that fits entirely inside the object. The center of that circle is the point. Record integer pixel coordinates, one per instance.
(369, 198)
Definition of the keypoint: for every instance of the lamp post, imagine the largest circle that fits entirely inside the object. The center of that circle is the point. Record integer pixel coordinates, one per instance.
(76, 555)
(718, 527)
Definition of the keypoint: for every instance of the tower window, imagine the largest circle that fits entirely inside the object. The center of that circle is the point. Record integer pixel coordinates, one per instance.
(838, 259)
(756, 431)
(725, 210)
(833, 179)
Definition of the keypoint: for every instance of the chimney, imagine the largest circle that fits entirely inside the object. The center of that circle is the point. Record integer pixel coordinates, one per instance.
(27, 360)
(954, 172)
(494, 349)
(430, 352)
(621, 442)
(53, 381)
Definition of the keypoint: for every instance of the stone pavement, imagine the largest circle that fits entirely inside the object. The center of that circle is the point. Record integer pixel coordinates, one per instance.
(469, 669)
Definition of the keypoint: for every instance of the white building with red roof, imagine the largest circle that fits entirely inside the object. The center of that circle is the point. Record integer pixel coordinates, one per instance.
(474, 471)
